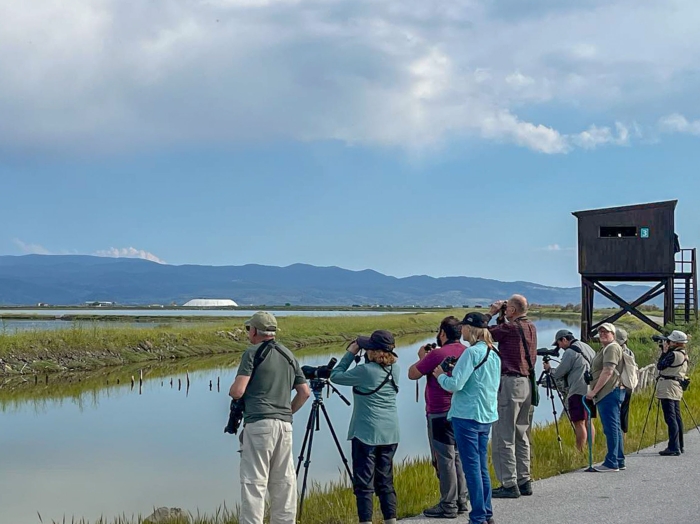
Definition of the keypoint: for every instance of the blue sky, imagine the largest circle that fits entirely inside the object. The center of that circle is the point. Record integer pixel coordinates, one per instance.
(451, 139)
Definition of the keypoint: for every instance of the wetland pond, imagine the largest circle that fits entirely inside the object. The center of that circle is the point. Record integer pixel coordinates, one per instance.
(87, 446)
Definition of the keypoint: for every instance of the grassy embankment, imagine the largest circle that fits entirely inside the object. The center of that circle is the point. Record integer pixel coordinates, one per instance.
(89, 346)
(417, 486)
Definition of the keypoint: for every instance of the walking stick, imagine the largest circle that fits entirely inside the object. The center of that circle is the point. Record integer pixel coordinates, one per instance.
(589, 437)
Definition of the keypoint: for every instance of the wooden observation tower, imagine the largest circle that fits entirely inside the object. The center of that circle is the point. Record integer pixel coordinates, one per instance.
(635, 244)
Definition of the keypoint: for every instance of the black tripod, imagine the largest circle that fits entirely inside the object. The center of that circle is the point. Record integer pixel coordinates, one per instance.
(658, 403)
(313, 425)
(550, 385)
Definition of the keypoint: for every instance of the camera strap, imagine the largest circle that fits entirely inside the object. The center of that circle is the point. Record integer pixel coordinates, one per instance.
(483, 360)
(389, 378)
(262, 353)
(578, 350)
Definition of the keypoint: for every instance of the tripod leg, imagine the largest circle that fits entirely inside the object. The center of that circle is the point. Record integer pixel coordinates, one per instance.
(313, 420)
(646, 419)
(309, 430)
(337, 443)
(554, 413)
(691, 414)
(656, 429)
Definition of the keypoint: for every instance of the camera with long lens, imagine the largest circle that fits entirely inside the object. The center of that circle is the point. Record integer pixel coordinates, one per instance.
(548, 353)
(448, 364)
(659, 340)
(235, 416)
(319, 372)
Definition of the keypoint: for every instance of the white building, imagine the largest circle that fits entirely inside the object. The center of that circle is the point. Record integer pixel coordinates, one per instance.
(211, 302)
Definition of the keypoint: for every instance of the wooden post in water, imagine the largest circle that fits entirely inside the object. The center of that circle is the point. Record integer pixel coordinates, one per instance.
(218, 384)
(211, 385)
(132, 381)
(179, 384)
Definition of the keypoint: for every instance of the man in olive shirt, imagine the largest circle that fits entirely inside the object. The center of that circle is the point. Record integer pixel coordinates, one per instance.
(608, 396)
(266, 441)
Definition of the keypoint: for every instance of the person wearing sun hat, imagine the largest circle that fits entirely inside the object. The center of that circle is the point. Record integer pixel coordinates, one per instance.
(605, 391)
(672, 368)
(374, 425)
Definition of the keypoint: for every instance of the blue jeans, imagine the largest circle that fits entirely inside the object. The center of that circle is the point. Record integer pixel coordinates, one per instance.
(609, 413)
(472, 441)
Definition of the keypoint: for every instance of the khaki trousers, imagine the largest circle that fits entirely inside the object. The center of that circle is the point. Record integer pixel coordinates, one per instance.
(266, 462)
(511, 441)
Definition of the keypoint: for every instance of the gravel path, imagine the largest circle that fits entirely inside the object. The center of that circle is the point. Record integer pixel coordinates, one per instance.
(644, 493)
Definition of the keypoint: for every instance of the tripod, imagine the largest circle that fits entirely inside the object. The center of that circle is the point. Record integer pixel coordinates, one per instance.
(550, 385)
(658, 403)
(313, 425)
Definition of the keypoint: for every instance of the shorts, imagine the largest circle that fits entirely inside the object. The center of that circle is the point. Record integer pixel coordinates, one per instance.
(576, 410)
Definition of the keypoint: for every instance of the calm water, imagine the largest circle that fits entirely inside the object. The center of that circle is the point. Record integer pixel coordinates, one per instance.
(112, 450)
(10, 325)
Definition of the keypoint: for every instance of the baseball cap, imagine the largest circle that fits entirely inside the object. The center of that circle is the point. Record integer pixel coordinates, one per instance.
(262, 321)
(475, 319)
(607, 326)
(561, 334)
(380, 340)
(677, 336)
(621, 336)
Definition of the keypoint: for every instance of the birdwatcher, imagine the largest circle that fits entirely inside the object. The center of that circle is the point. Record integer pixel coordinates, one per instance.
(575, 361)
(622, 338)
(266, 376)
(443, 448)
(374, 426)
(605, 390)
(672, 369)
(517, 344)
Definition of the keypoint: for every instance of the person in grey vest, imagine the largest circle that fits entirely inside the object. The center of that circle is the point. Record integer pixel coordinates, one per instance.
(374, 426)
(266, 441)
(672, 369)
(575, 362)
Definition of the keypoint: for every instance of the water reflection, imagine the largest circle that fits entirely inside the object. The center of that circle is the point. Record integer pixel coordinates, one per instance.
(90, 445)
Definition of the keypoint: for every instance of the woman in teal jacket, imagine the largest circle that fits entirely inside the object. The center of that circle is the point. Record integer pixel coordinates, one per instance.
(474, 384)
(374, 426)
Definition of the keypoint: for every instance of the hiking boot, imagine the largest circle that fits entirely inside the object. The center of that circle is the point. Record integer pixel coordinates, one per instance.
(605, 469)
(668, 453)
(622, 467)
(525, 488)
(462, 507)
(438, 512)
(506, 493)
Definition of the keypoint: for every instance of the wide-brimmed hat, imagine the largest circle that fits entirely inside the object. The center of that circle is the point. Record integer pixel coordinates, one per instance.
(477, 320)
(380, 340)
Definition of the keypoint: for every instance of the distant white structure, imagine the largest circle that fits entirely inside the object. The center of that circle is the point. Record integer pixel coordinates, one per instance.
(211, 302)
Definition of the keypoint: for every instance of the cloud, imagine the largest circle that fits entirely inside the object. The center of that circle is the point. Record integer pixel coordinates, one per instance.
(31, 249)
(557, 248)
(676, 123)
(126, 76)
(128, 252)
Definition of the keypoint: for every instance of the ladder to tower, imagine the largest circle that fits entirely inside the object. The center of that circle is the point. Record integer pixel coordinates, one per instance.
(685, 287)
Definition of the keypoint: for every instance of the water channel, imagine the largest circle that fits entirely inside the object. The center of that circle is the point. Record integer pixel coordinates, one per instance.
(90, 447)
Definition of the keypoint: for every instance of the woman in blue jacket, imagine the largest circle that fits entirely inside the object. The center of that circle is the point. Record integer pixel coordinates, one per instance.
(474, 384)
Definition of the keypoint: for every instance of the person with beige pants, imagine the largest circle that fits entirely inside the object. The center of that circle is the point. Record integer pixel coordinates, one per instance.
(517, 345)
(267, 374)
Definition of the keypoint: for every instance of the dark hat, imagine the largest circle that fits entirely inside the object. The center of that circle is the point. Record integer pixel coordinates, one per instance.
(561, 334)
(380, 340)
(474, 319)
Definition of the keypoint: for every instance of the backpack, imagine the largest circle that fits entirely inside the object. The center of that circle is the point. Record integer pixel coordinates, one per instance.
(629, 375)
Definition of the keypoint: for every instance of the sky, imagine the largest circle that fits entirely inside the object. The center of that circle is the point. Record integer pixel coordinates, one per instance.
(404, 136)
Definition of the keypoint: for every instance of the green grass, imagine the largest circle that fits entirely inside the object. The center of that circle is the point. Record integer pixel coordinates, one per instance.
(89, 347)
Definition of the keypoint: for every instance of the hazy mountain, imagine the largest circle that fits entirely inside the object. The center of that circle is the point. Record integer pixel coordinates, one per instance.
(69, 279)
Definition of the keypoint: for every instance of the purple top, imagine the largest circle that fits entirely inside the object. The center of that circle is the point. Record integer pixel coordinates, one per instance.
(437, 400)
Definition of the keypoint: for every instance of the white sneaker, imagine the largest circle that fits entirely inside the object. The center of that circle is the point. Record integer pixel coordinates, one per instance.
(604, 469)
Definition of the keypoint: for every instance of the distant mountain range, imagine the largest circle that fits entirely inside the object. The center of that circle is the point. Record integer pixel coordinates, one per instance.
(76, 279)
